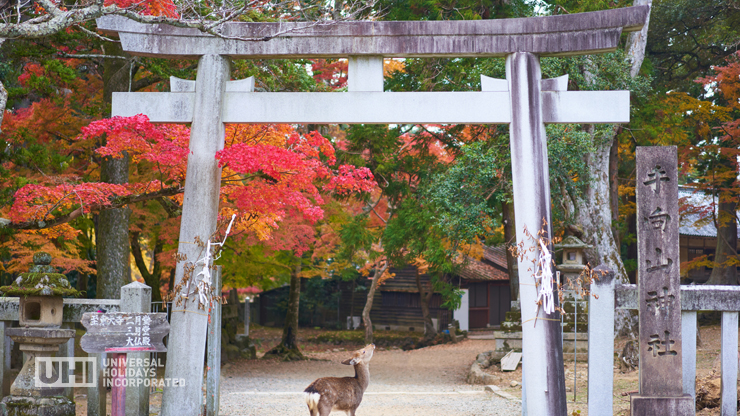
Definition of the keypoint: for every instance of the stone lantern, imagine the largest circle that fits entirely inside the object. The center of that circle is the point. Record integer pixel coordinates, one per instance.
(575, 305)
(573, 263)
(40, 293)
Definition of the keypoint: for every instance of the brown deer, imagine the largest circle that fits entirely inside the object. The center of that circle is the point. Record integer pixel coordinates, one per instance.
(345, 394)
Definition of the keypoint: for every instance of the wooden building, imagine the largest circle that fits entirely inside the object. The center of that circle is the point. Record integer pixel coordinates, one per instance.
(487, 282)
(397, 304)
(697, 236)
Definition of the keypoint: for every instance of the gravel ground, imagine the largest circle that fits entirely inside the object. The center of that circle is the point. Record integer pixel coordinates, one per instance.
(425, 382)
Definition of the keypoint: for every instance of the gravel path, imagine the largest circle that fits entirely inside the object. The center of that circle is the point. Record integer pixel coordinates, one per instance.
(425, 382)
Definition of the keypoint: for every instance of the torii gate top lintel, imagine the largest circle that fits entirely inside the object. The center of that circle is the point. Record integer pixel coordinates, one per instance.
(573, 34)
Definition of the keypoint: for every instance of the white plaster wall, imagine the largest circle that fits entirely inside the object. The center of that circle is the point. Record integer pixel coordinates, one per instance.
(461, 315)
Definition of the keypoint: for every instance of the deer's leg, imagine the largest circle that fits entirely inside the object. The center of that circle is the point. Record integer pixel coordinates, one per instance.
(324, 407)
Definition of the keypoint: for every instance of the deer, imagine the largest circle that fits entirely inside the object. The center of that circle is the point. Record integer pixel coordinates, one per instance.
(327, 394)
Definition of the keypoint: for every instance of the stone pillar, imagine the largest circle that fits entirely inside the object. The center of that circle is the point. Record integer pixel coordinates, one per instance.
(601, 343)
(729, 363)
(658, 282)
(247, 316)
(96, 395)
(688, 351)
(542, 347)
(213, 354)
(6, 348)
(68, 350)
(187, 338)
(137, 297)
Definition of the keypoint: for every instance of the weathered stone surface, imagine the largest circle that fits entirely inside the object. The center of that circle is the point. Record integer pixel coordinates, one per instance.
(530, 172)
(592, 107)
(658, 272)
(693, 298)
(548, 36)
(136, 297)
(36, 342)
(659, 406)
(41, 311)
(200, 212)
(32, 406)
(124, 332)
(477, 376)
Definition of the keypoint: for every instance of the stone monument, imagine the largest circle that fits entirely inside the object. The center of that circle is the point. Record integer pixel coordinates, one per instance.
(658, 282)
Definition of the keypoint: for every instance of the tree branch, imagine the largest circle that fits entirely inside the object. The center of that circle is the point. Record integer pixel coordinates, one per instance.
(3, 103)
(118, 202)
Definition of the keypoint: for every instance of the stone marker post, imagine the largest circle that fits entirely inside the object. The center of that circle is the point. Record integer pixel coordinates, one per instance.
(137, 297)
(187, 342)
(601, 342)
(661, 385)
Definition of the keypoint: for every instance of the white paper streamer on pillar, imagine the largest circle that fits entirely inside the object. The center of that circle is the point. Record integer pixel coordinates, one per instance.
(545, 267)
(203, 287)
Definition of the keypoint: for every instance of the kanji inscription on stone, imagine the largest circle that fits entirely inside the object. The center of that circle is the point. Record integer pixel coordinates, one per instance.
(658, 283)
(124, 332)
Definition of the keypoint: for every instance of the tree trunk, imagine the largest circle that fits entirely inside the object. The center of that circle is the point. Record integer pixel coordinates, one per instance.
(425, 296)
(352, 304)
(510, 236)
(369, 304)
(112, 238)
(592, 210)
(288, 350)
(151, 278)
(725, 269)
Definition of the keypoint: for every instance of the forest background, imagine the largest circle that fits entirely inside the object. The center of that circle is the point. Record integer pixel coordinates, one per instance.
(331, 203)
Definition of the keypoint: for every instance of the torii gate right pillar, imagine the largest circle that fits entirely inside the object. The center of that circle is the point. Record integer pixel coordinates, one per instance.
(541, 342)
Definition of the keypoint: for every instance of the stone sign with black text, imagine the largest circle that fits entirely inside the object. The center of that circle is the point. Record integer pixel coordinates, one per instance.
(122, 332)
(661, 388)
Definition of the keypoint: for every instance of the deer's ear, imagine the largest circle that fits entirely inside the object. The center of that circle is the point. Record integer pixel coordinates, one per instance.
(348, 361)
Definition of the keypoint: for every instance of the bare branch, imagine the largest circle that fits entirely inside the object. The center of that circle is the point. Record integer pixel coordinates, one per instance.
(96, 35)
(90, 56)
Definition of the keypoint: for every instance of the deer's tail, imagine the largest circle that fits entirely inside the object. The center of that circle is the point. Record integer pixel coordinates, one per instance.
(312, 400)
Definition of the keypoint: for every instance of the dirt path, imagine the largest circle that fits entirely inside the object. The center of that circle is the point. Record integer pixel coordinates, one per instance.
(425, 382)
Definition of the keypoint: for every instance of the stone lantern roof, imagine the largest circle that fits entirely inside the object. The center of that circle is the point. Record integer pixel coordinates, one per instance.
(41, 280)
(572, 241)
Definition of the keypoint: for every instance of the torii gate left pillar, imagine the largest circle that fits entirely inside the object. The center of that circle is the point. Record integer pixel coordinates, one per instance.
(523, 100)
(199, 216)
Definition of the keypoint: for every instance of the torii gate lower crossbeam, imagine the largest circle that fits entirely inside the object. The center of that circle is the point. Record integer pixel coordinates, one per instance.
(523, 100)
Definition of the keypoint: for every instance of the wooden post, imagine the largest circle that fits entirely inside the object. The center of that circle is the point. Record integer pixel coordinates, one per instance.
(118, 389)
(213, 375)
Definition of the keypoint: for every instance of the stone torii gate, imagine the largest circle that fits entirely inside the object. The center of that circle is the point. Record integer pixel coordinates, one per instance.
(523, 100)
